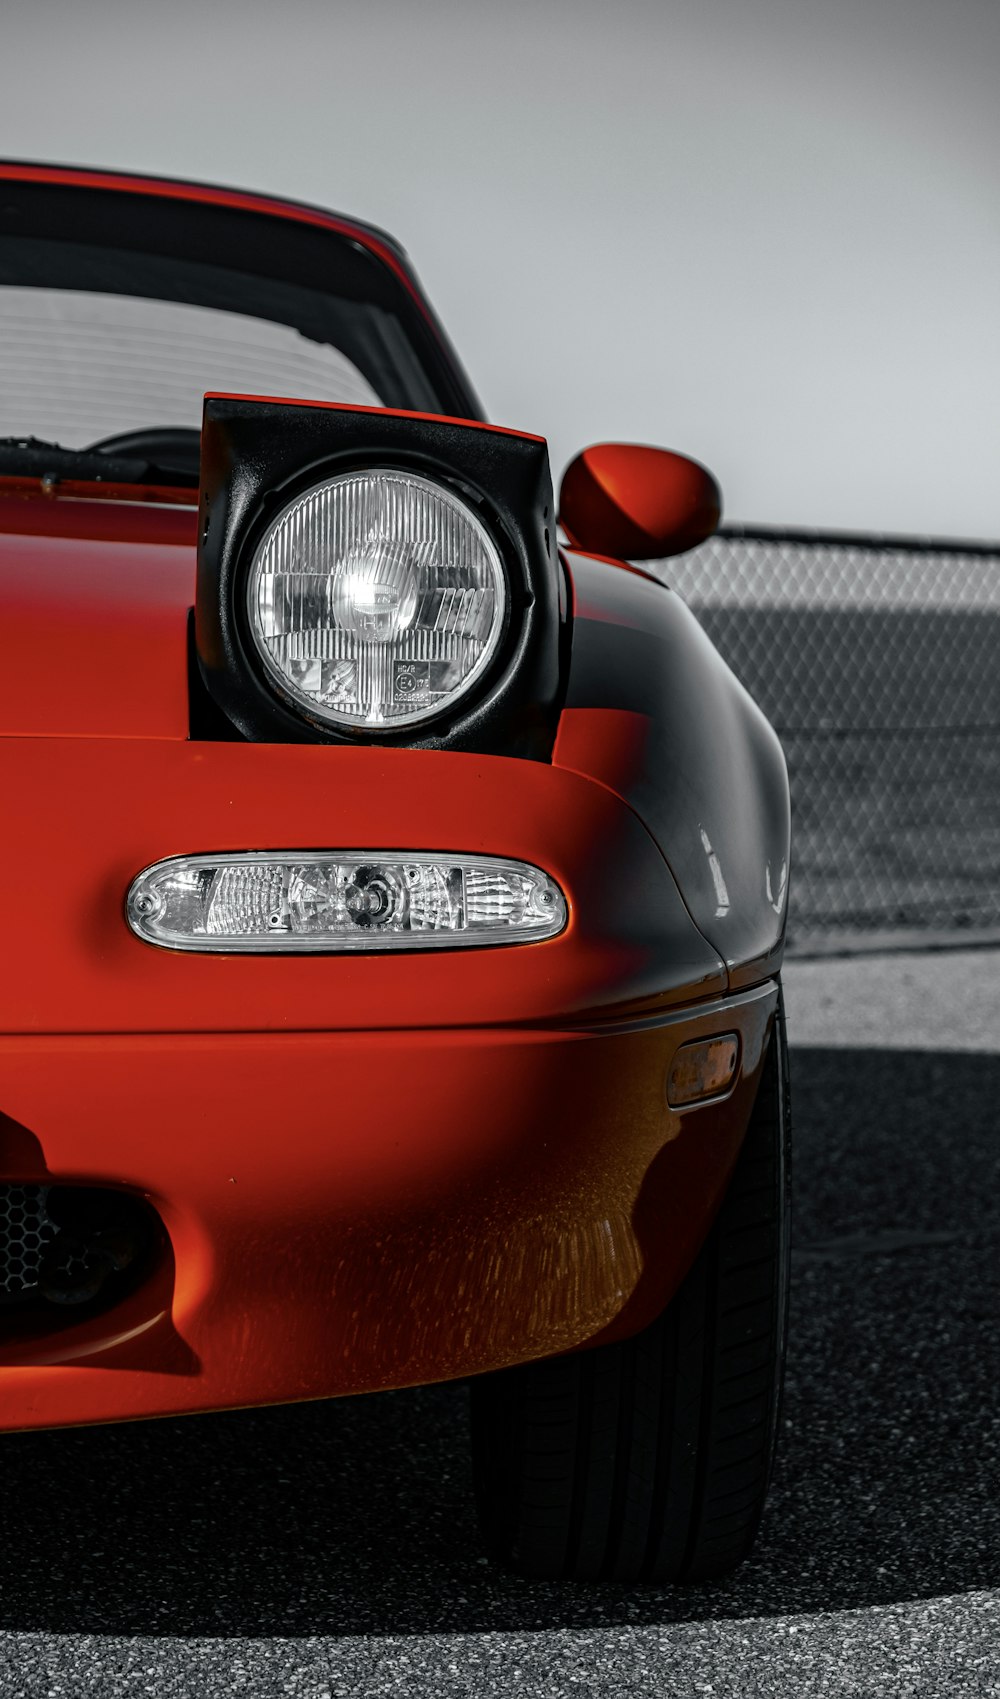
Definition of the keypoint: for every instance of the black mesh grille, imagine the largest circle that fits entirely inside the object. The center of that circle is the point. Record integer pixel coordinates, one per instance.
(25, 1231)
(878, 662)
(76, 1246)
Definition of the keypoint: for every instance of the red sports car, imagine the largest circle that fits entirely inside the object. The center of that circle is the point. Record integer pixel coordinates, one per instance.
(396, 886)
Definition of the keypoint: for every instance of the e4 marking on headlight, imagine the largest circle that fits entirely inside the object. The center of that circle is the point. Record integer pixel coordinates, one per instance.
(334, 900)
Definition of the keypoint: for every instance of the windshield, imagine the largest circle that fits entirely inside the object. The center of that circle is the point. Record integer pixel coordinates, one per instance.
(77, 367)
(119, 310)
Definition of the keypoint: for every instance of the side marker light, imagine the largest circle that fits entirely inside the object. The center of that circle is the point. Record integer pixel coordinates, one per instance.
(703, 1069)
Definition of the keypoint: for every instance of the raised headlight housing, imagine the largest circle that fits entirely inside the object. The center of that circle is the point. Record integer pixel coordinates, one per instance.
(376, 599)
(368, 576)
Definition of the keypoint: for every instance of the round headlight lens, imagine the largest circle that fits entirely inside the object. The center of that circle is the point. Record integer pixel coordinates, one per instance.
(376, 599)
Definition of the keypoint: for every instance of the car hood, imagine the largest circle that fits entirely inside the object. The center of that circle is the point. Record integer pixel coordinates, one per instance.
(95, 597)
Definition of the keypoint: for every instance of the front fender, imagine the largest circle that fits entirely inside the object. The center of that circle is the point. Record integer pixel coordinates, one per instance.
(653, 712)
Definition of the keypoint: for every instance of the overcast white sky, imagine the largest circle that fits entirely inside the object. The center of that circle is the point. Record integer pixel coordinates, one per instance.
(764, 232)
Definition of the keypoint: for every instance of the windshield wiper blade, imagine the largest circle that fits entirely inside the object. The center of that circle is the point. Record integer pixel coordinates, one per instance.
(50, 461)
(33, 442)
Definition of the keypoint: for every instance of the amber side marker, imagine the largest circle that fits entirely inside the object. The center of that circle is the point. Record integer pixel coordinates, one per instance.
(702, 1069)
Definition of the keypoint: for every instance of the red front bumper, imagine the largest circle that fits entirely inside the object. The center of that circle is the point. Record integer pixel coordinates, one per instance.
(372, 1171)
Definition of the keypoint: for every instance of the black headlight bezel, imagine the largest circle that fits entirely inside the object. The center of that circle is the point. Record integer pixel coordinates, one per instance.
(258, 455)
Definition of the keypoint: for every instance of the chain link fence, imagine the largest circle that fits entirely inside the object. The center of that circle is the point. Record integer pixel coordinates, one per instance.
(877, 659)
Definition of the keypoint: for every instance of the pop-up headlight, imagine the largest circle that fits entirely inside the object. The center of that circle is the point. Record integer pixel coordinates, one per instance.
(376, 599)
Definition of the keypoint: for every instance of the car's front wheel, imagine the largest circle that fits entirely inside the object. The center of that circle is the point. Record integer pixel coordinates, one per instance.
(649, 1460)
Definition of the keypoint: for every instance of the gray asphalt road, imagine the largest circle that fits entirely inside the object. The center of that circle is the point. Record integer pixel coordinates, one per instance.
(330, 1549)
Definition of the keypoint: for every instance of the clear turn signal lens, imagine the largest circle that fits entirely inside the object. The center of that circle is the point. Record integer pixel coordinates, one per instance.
(334, 900)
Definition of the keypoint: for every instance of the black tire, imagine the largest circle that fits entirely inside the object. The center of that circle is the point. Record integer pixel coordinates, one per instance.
(649, 1460)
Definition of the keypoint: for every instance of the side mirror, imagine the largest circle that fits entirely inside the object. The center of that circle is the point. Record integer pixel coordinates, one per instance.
(637, 503)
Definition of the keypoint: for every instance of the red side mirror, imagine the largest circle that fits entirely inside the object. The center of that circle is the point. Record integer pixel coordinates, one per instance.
(637, 503)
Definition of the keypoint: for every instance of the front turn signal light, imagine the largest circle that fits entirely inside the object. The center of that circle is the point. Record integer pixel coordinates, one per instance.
(335, 900)
(703, 1069)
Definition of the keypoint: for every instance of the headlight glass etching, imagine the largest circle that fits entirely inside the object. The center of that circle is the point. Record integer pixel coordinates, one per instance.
(376, 599)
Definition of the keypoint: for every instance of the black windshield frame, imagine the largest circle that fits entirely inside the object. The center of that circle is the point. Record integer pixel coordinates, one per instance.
(327, 283)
